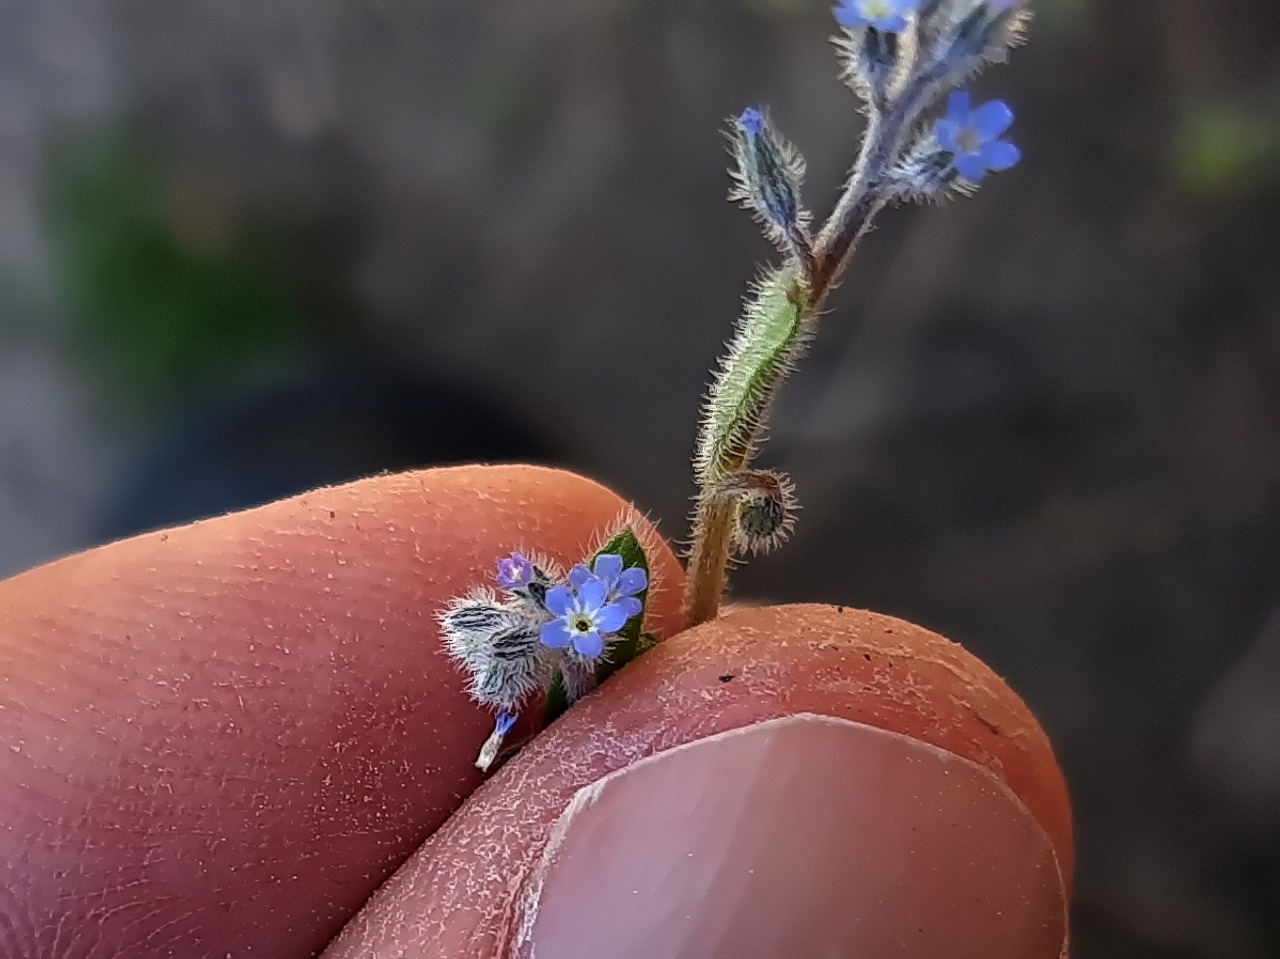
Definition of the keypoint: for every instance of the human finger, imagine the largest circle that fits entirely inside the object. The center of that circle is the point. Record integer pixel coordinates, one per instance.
(796, 780)
(222, 737)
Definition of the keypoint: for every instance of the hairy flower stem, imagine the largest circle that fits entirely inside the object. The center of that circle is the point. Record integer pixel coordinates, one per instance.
(863, 196)
(771, 335)
(862, 199)
(709, 558)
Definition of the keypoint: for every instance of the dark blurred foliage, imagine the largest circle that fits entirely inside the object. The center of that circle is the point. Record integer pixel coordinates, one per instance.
(299, 242)
(160, 314)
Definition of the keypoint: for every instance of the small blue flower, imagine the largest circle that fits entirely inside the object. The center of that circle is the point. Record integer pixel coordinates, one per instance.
(623, 584)
(972, 136)
(752, 121)
(584, 617)
(504, 722)
(886, 15)
(515, 571)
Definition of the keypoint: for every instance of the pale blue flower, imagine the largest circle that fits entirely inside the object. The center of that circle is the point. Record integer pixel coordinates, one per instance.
(972, 136)
(515, 571)
(584, 617)
(623, 584)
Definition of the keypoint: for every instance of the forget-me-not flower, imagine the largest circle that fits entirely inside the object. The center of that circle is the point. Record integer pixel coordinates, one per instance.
(972, 136)
(887, 15)
(584, 617)
(752, 121)
(515, 571)
(623, 585)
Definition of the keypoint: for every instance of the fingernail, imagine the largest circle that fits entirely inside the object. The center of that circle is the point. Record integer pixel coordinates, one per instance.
(803, 836)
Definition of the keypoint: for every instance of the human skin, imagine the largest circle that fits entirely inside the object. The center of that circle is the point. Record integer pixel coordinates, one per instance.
(223, 738)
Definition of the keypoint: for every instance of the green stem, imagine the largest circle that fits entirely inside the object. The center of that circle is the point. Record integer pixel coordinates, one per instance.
(709, 559)
(863, 196)
(770, 338)
(766, 350)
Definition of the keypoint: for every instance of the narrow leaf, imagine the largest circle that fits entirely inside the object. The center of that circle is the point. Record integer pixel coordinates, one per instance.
(770, 337)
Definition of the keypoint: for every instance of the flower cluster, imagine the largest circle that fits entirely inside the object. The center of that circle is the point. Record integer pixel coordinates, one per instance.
(544, 632)
(925, 140)
(901, 81)
(596, 603)
(544, 623)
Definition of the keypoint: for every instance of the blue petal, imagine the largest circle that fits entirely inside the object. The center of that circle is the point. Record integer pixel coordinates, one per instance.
(904, 6)
(752, 121)
(991, 119)
(1000, 155)
(556, 634)
(591, 595)
(611, 618)
(514, 571)
(579, 575)
(848, 15)
(608, 566)
(589, 644)
(891, 24)
(970, 166)
(958, 108)
(632, 581)
(630, 604)
(560, 600)
(945, 133)
(504, 723)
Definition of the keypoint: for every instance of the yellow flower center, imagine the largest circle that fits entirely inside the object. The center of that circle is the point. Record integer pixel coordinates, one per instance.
(968, 140)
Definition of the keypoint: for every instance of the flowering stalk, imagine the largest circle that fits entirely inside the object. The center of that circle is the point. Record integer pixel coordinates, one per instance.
(548, 637)
(771, 337)
(900, 57)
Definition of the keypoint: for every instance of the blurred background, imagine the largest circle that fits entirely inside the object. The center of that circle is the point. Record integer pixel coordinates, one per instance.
(250, 248)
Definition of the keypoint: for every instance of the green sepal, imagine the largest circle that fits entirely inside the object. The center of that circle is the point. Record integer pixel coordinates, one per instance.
(631, 640)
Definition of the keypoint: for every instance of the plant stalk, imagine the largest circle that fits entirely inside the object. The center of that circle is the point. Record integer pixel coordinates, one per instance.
(834, 246)
(709, 558)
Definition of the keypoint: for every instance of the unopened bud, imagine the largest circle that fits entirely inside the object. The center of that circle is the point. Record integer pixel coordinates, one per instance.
(767, 179)
(767, 506)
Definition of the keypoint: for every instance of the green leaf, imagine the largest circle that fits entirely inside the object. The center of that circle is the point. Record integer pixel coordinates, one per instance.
(770, 338)
(557, 699)
(631, 639)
